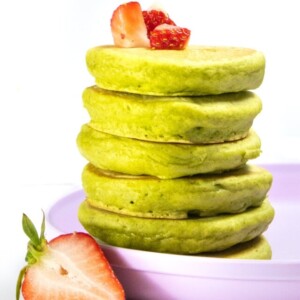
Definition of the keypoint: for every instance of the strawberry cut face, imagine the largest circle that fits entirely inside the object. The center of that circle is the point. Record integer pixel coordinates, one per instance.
(128, 27)
(71, 266)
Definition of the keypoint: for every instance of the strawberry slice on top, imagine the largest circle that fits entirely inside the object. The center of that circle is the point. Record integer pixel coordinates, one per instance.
(154, 17)
(131, 27)
(128, 26)
(169, 37)
(71, 266)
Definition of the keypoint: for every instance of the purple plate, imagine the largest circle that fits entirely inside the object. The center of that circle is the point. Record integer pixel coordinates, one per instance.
(148, 275)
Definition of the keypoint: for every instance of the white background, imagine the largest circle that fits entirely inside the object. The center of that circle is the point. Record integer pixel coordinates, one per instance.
(43, 73)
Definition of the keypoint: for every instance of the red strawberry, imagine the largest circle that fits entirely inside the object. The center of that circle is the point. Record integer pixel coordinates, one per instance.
(71, 266)
(169, 37)
(153, 18)
(128, 26)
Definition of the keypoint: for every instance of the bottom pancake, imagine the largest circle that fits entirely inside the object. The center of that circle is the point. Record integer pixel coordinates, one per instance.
(258, 248)
(185, 236)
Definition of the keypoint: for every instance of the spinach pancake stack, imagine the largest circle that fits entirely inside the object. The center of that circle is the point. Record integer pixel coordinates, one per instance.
(168, 144)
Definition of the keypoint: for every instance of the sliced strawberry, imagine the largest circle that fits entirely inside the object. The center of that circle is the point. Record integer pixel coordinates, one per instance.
(71, 266)
(128, 26)
(169, 37)
(153, 18)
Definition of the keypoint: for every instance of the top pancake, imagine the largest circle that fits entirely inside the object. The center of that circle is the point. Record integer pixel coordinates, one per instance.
(197, 70)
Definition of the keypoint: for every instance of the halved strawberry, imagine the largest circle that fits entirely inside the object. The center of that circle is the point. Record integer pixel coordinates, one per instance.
(153, 18)
(71, 266)
(128, 26)
(169, 37)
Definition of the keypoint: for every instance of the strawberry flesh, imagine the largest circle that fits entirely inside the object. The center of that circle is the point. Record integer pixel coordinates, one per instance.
(128, 27)
(71, 266)
(170, 37)
(153, 18)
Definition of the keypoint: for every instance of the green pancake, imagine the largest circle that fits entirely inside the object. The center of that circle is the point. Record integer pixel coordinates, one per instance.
(163, 160)
(186, 236)
(206, 119)
(197, 70)
(258, 248)
(180, 198)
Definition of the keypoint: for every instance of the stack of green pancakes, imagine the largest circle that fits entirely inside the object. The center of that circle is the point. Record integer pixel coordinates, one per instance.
(168, 144)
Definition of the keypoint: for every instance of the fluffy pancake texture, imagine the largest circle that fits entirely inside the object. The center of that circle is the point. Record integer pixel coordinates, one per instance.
(205, 119)
(181, 198)
(197, 70)
(163, 160)
(167, 144)
(185, 236)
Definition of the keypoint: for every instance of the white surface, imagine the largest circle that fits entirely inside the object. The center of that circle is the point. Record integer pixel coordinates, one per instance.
(42, 73)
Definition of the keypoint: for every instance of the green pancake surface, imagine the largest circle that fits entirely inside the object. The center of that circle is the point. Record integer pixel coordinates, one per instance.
(205, 119)
(180, 198)
(197, 70)
(186, 236)
(163, 160)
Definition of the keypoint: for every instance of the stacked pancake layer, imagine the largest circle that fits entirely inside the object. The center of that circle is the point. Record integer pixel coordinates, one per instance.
(168, 144)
